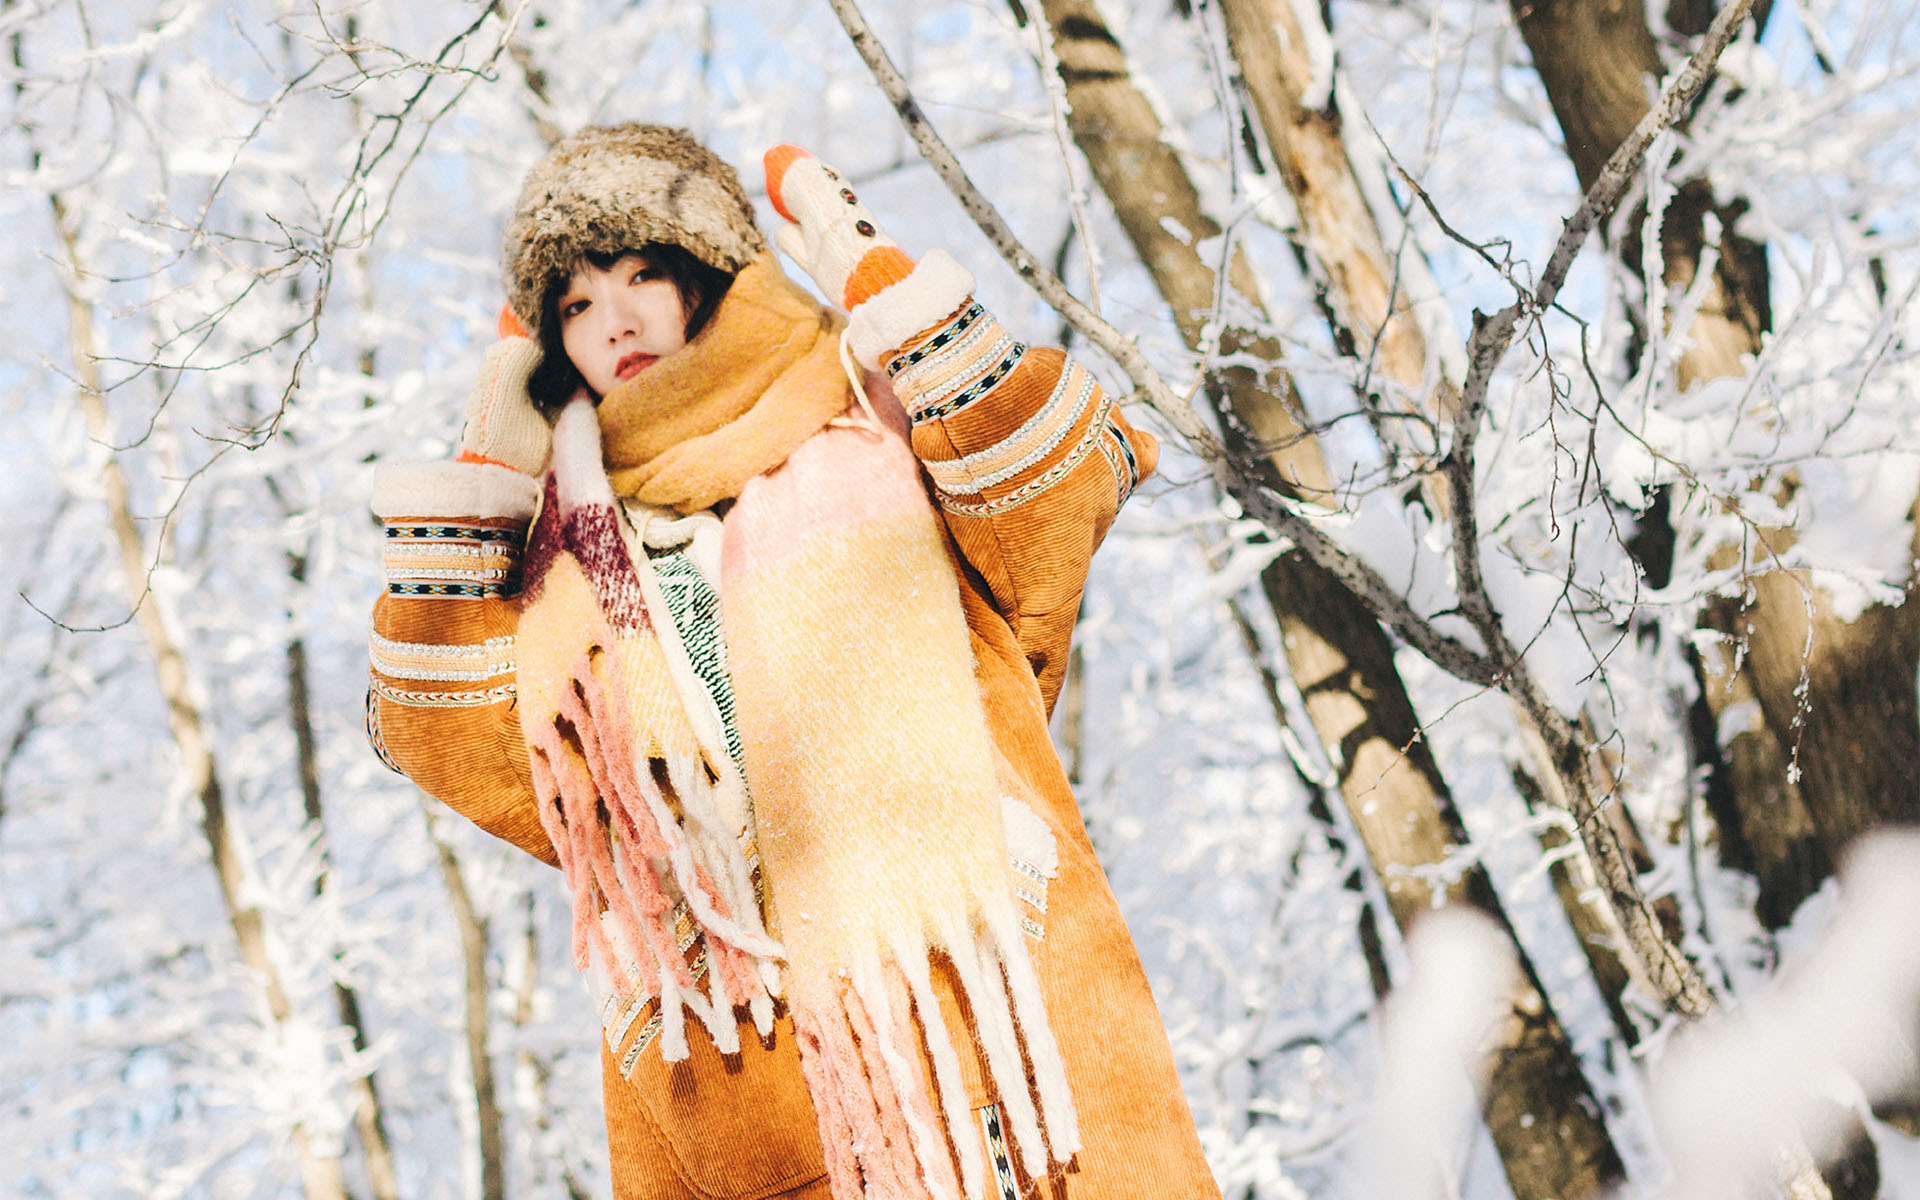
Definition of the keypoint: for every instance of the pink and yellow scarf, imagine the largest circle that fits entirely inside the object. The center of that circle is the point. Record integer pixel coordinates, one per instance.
(867, 796)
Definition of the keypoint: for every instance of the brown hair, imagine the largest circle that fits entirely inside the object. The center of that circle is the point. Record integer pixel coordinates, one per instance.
(701, 289)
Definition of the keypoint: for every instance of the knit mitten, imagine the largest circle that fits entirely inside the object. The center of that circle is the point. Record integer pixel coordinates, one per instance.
(503, 426)
(834, 238)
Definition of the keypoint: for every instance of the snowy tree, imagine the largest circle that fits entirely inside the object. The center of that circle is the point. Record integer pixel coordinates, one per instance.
(1553, 570)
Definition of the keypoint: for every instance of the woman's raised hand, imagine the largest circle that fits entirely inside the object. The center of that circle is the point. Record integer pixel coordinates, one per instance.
(503, 426)
(832, 236)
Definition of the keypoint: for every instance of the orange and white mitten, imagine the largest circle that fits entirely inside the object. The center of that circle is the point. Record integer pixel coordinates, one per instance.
(833, 237)
(503, 426)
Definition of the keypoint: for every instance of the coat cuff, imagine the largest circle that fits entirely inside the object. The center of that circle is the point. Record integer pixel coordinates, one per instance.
(937, 286)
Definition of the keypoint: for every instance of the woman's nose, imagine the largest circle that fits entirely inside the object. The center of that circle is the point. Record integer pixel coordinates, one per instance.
(621, 321)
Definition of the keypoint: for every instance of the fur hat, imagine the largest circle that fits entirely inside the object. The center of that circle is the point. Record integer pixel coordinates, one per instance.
(611, 187)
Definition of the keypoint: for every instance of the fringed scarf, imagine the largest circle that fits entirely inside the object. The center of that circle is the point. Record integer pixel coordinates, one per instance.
(867, 786)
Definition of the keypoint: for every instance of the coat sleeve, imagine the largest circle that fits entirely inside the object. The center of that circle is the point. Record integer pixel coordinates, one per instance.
(1029, 458)
(440, 704)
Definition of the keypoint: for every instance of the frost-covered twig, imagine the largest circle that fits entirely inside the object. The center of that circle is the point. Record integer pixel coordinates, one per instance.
(1279, 513)
(1579, 788)
(1123, 349)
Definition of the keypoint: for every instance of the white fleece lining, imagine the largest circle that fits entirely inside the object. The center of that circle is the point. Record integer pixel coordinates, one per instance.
(577, 434)
(935, 288)
(453, 489)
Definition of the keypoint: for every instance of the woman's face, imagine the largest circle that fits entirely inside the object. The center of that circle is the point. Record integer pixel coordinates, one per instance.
(615, 321)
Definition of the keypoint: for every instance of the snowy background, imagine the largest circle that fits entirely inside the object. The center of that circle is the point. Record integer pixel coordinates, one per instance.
(265, 236)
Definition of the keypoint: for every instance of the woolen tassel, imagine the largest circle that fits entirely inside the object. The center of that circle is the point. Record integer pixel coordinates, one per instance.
(637, 830)
(980, 980)
(707, 901)
(829, 1065)
(1029, 1011)
(892, 1168)
(955, 1109)
(546, 794)
(648, 933)
(661, 836)
(882, 990)
(570, 843)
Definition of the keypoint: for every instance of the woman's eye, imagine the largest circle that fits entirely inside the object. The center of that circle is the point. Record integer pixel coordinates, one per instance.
(572, 309)
(647, 274)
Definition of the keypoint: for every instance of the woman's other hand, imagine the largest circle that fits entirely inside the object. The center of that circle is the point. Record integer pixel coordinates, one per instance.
(833, 237)
(503, 426)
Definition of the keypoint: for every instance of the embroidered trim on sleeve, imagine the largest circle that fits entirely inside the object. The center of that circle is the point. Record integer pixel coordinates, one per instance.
(454, 591)
(448, 574)
(960, 361)
(374, 739)
(412, 699)
(443, 664)
(976, 390)
(455, 530)
(972, 347)
(1118, 452)
(939, 341)
(452, 559)
(1039, 483)
(1025, 446)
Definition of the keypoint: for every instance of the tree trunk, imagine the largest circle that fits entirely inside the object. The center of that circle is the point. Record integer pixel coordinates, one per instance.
(369, 1118)
(1837, 699)
(319, 1172)
(473, 946)
(1541, 1113)
(1852, 728)
(1368, 301)
(1365, 292)
(533, 1072)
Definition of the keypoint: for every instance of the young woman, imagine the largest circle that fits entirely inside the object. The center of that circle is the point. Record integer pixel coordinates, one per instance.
(755, 638)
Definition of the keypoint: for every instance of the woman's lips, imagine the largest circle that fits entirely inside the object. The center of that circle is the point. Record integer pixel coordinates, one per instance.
(632, 365)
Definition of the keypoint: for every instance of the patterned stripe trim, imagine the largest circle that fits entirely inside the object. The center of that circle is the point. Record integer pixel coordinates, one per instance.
(448, 531)
(433, 551)
(1120, 459)
(1038, 901)
(617, 1032)
(967, 357)
(933, 345)
(466, 574)
(443, 664)
(1005, 1186)
(1032, 928)
(374, 738)
(1022, 448)
(1034, 487)
(455, 591)
(413, 699)
(980, 387)
(491, 649)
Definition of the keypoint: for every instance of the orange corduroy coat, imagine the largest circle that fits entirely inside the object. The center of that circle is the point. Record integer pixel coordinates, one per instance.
(740, 1127)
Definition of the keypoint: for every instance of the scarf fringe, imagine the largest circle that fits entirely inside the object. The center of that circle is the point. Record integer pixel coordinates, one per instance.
(860, 1054)
(624, 853)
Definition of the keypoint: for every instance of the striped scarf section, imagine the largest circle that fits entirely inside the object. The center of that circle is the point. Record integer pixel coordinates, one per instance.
(645, 814)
